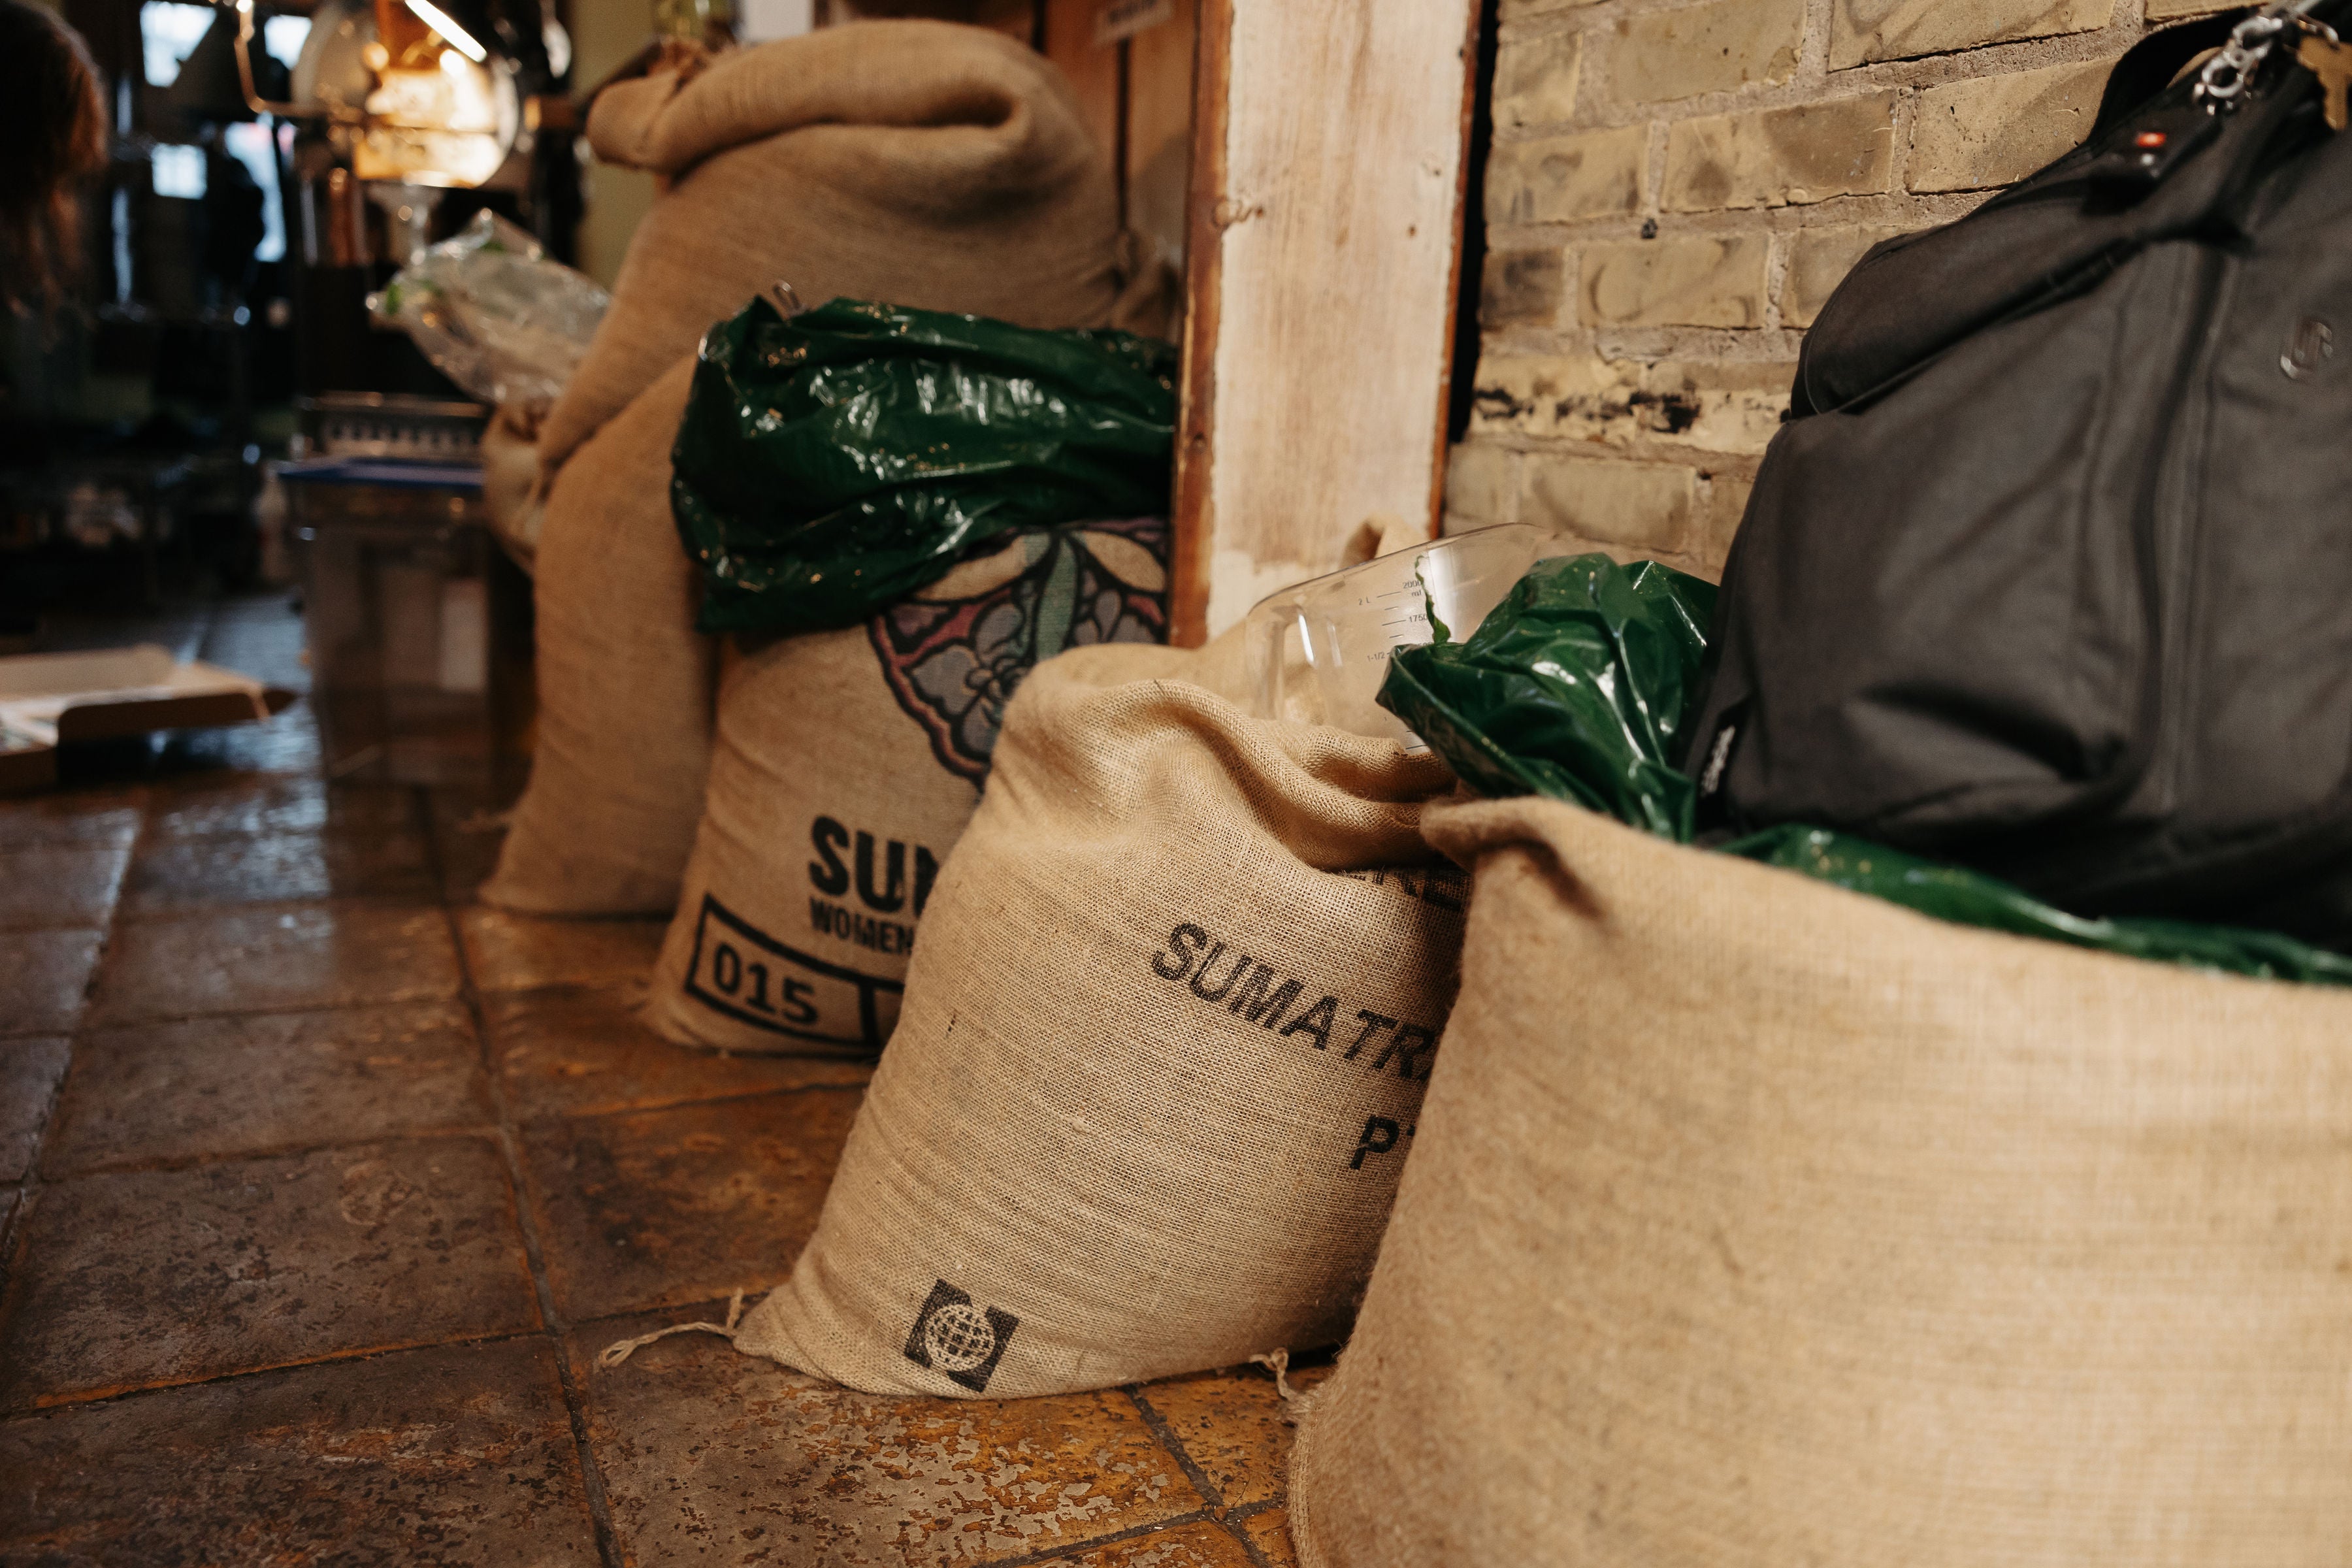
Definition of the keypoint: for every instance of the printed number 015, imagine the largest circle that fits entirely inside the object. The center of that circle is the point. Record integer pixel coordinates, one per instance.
(728, 972)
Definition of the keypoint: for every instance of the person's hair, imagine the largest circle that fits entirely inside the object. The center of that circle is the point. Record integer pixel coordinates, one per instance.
(52, 137)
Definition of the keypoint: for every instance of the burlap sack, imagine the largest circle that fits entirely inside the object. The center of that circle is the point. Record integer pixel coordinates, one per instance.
(624, 682)
(1162, 1055)
(1756, 1222)
(918, 163)
(845, 768)
(511, 493)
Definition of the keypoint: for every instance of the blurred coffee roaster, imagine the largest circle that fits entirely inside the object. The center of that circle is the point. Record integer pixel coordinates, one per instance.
(409, 117)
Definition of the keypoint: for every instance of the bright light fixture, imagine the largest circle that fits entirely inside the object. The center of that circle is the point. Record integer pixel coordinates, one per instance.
(441, 22)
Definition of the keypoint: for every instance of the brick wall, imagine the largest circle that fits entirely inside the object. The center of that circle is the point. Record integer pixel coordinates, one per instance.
(1675, 187)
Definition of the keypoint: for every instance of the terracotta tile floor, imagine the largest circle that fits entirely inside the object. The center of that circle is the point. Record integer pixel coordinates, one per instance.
(321, 1185)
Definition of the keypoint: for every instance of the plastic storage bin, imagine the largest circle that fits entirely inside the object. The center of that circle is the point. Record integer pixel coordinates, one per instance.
(418, 626)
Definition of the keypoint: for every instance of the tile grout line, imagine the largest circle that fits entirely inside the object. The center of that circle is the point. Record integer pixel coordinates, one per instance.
(170, 1163)
(28, 1187)
(18, 1233)
(1250, 1549)
(374, 1352)
(57, 1029)
(1256, 1553)
(421, 899)
(215, 908)
(206, 1160)
(1070, 1548)
(1224, 1519)
(421, 905)
(1166, 1437)
(250, 1374)
(575, 1404)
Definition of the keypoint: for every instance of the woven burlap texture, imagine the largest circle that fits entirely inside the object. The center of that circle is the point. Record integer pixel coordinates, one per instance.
(624, 729)
(511, 493)
(915, 162)
(922, 164)
(820, 859)
(794, 834)
(1756, 1222)
(1099, 1123)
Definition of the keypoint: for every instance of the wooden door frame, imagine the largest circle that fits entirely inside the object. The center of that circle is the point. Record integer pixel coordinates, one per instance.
(1194, 530)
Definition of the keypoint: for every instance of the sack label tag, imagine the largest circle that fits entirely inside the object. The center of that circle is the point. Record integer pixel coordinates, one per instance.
(742, 972)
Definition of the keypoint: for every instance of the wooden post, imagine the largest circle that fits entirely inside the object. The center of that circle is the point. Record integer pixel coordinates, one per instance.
(1323, 266)
(1091, 68)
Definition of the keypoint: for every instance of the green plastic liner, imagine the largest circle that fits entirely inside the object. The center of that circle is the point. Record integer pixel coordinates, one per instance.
(832, 464)
(1575, 688)
(1966, 897)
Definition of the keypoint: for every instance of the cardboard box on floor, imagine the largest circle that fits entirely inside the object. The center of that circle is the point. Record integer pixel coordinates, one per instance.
(52, 700)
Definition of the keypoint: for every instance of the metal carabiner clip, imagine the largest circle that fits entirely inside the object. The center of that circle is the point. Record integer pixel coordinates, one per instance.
(2231, 71)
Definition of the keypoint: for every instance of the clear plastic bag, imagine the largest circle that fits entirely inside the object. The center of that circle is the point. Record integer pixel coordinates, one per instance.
(493, 314)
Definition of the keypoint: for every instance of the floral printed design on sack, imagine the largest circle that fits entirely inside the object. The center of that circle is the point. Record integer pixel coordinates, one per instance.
(954, 664)
(846, 765)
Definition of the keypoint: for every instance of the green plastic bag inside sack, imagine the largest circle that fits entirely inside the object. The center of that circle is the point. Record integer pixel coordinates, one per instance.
(831, 463)
(1966, 898)
(1575, 687)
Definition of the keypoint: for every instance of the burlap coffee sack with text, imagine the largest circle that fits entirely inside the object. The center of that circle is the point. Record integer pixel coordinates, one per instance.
(915, 162)
(1753, 1221)
(845, 766)
(1160, 1057)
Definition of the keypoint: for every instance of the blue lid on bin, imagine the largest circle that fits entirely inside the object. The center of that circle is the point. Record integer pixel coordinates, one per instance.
(394, 472)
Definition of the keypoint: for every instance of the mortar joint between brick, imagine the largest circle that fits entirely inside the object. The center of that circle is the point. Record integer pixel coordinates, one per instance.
(1654, 172)
(1536, 28)
(1813, 56)
(1641, 450)
(1776, 277)
(1571, 289)
(1599, 109)
(2009, 58)
(1898, 158)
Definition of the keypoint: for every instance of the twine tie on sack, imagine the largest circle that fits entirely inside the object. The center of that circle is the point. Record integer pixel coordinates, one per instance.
(1278, 1362)
(619, 1350)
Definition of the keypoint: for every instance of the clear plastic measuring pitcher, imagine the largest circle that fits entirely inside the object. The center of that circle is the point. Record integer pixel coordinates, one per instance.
(1318, 652)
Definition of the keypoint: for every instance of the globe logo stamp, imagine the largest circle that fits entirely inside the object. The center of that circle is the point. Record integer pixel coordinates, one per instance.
(958, 1339)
